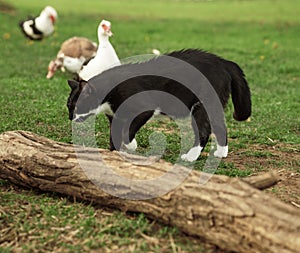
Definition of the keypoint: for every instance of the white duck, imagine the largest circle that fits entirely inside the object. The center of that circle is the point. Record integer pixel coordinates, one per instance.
(73, 53)
(39, 27)
(106, 56)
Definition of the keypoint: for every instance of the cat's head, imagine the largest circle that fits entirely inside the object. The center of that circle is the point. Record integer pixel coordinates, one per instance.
(80, 109)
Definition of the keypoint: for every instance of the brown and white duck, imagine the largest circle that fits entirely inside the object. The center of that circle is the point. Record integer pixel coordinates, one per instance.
(73, 53)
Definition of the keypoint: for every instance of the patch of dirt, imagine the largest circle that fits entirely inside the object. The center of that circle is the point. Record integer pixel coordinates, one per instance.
(283, 159)
(6, 7)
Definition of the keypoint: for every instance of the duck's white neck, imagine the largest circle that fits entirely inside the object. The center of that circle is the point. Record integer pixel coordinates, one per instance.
(103, 40)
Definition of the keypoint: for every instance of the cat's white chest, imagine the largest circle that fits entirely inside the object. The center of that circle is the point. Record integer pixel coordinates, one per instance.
(104, 108)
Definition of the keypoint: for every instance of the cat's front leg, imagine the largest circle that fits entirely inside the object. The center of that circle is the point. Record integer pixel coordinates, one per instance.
(111, 144)
(129, 133)
(132, 146)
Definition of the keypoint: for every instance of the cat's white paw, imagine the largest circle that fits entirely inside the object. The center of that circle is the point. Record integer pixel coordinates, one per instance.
(132, 146)
(222, 151)
(192, 155)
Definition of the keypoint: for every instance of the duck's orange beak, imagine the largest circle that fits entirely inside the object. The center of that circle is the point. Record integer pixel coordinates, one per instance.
(51, 69)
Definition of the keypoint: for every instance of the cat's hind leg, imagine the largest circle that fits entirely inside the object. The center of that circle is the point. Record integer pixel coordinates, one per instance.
(221, 135)
(115, 139)
(205, 128)
(201, 128)
(221, 152)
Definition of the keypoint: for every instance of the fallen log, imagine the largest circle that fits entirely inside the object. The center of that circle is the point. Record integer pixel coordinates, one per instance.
(227, 212)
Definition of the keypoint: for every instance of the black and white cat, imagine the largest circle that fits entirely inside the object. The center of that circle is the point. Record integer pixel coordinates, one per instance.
(109, 91)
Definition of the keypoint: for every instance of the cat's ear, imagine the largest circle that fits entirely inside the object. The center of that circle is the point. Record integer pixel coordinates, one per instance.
(89, 89)
(73, 84)
(86, 87)
(82, 84)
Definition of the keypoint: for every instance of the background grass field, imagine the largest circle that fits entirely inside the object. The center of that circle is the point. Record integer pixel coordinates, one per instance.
(261, 36)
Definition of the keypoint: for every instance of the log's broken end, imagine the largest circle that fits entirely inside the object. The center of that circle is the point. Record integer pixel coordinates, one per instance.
(262, 181)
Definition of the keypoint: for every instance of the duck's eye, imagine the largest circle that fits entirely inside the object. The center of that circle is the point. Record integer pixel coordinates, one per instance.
(105, 27)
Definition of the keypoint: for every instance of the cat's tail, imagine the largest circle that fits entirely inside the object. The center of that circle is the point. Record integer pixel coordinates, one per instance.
(240, 92)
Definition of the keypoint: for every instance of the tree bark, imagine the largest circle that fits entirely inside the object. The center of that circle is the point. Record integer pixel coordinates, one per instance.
(227, 212)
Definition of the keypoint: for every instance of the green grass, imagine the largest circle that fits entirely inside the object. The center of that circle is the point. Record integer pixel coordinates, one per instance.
(54, 224)
(222, 10)
(261, 36)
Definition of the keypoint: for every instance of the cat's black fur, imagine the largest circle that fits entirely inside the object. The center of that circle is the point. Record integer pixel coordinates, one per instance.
(226, 77)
